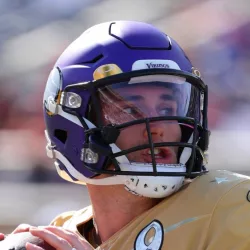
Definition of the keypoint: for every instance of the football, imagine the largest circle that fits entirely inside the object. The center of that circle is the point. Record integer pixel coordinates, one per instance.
(18, 242)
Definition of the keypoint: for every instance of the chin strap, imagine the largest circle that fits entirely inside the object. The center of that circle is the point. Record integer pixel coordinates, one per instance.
(153, 186)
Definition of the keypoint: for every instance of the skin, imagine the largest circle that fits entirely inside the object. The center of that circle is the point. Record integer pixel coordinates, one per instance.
(114, 201)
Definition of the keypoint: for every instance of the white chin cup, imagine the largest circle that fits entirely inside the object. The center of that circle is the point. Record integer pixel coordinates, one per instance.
(153, 186)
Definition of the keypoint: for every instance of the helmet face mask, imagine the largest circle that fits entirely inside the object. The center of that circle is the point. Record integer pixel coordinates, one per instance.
(148, 123)
(115, 105)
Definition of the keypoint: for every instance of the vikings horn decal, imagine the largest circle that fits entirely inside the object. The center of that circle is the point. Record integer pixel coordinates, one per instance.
(151, 237)
(52, 90)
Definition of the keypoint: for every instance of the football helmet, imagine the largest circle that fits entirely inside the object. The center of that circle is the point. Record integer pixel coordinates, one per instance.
(119, 82)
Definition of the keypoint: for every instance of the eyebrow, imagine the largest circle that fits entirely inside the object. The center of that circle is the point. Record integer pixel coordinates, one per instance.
(164, 97)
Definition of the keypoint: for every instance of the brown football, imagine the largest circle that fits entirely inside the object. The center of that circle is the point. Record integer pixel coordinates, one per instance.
(18, 242)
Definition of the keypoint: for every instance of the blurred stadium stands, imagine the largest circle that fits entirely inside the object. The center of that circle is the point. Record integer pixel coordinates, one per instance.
(215, 35)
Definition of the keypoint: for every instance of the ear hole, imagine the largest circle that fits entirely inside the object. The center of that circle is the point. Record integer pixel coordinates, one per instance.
(61, 135)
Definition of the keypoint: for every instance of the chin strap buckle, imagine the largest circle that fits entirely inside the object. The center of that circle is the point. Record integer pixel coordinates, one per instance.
(110, 134)
(99, 139)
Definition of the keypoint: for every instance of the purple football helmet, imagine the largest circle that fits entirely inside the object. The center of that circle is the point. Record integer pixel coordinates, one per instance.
(100, 88)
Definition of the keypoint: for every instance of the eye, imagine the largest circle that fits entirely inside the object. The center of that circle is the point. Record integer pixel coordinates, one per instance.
(130, 110)
(134, 112)
(168, 111)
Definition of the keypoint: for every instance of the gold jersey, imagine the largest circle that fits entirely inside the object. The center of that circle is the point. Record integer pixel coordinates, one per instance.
(211, 213)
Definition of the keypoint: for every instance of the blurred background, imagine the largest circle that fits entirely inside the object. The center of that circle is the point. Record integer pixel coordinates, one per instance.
(214, 33)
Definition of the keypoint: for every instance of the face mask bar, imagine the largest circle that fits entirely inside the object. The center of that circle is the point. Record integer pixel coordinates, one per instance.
(99, 138)
(97, 132)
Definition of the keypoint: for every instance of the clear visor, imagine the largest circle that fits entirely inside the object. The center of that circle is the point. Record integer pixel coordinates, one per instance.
(145, 97)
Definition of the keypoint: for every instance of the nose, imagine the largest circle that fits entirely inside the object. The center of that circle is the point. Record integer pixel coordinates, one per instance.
(155, 130)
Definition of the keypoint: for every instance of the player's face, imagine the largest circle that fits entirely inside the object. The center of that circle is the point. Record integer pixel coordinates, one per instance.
(141, 102)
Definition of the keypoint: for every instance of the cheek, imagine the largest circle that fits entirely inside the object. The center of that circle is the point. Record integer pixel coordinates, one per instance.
(178, 133)
(129, 137)
(173, 133)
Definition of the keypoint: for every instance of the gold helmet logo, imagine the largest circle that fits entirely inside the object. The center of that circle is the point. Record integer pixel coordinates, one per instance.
(106, 70)
(196, 72)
